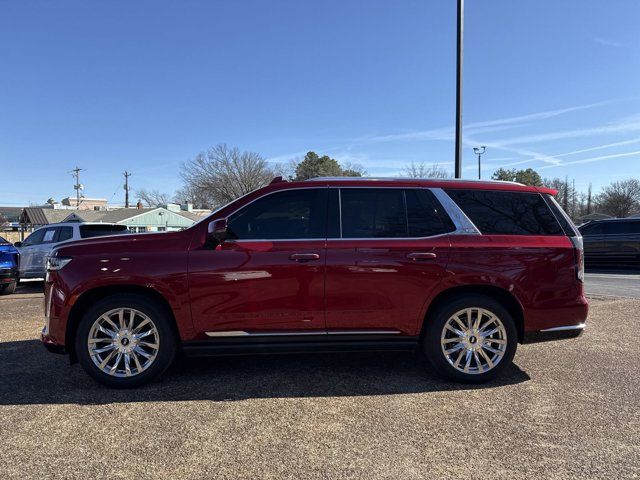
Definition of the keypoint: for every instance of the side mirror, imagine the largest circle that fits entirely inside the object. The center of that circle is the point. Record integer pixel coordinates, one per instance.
(218, 230)
(17, 244)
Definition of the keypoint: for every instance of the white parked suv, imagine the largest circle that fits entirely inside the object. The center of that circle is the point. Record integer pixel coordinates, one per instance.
(36, 247)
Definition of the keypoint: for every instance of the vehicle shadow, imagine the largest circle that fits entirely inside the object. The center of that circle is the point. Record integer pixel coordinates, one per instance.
(31, 375)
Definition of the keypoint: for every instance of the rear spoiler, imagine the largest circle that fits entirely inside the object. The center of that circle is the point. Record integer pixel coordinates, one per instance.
(550, 191)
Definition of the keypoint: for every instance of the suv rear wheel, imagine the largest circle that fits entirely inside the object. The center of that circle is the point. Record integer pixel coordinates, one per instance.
(471, 339)
(8, 288)
(125, 340)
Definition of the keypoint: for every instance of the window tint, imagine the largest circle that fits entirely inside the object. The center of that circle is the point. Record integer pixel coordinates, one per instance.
(65, 233)
(621, 228)
(288, 214)
(373, 213)
(90, 231)
(507, 213)
(35, 238)
(592, 229)
(424, 214)
(568, 227)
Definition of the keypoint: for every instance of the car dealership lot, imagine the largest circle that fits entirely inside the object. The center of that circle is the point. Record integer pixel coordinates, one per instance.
(566, 409)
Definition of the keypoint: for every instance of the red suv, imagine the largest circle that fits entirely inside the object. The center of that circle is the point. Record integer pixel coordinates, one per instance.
(460, 270)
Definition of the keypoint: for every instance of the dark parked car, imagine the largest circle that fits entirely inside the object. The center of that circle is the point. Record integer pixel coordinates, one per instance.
(612, 242)
(461, 270)
(9, 265)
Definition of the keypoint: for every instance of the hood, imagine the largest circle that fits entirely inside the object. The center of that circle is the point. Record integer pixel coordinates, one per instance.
(128, 243)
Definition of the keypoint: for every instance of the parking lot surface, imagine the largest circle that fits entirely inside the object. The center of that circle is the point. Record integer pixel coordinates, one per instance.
(565, 410)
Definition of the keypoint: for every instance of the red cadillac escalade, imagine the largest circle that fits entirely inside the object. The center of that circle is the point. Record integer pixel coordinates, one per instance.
(462, 271)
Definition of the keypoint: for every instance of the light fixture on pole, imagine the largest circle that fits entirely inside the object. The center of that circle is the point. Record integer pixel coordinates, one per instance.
(479, 151)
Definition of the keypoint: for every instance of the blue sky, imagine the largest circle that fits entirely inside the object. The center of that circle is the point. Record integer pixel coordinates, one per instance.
(143, 86)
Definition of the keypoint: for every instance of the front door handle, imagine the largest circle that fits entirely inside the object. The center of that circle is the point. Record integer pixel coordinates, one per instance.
(304, 257)
(415, 256)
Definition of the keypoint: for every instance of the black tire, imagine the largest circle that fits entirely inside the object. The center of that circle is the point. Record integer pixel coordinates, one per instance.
(435, 324)
(8, 288)
(160, 318)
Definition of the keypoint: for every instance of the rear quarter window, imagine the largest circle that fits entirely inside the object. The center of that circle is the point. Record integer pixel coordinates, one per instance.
(90, 231)
(497, 212)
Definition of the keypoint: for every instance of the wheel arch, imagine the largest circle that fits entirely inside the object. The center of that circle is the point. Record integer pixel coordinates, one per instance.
(506, 298)
(88, 298)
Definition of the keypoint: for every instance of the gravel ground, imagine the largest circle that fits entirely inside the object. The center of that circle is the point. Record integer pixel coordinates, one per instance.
(565, 410)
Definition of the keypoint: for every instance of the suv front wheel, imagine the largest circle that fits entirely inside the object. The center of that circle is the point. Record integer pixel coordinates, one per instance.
(125, 340)
(471, 339)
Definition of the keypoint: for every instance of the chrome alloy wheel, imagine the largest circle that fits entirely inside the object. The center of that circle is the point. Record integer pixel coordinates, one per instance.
(123, 342)
(473, 340)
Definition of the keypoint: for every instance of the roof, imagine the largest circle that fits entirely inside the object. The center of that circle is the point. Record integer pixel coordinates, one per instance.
(421, 182)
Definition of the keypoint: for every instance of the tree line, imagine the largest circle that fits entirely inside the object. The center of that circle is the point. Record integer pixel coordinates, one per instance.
(222, 174)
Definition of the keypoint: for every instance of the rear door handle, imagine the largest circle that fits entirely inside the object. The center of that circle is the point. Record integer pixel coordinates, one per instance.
(304, 257)
(415, 256)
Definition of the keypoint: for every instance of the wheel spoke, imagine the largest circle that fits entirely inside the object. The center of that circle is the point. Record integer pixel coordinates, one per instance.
(486, 357)
(106, 359)
(140, 325)
(476, 324)
(499, 341)
(106, 331)
(459, 333)
(145, 334)
(117, 362)
(111, 346)
(127, 364)
(121, 318)
(490, 332)
(457, 362)
(136, 361)
(140, 351)
(493, 350)
(459, 346)
(478, 363)
(467, 361)
(469, 318)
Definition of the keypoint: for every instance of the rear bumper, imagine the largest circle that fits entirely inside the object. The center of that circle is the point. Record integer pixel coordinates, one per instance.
(554, 333)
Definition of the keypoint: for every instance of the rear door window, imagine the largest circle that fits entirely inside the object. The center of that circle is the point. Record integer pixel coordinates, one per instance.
(497, 212)
(373, 213)
(90, 231)
(64, 234)
(49, 235)
(391, 213)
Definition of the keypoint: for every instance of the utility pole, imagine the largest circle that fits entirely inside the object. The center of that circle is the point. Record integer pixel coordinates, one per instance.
(126, 188)
(479, 151)
(78, 186)
(459, 45)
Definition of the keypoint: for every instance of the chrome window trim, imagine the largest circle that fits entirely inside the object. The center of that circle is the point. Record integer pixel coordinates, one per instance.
(463, 224)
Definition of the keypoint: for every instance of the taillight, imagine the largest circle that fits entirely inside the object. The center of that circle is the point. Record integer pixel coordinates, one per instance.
(579, 251)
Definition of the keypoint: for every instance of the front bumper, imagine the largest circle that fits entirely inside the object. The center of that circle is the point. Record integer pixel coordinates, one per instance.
(8, 275)
(49, 345)
(554, 333)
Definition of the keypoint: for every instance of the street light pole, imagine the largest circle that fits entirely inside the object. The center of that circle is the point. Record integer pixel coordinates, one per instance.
(459, 45)
(479, 151)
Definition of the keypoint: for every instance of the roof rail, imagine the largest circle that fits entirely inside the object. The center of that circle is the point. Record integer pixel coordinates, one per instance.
(408, 179)
(277, 179)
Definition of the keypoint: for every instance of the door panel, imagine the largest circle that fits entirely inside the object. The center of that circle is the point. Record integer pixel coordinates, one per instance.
(374, 284)
(256, 286)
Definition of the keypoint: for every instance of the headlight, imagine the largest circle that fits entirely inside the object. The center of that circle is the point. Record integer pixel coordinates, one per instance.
(56, 263)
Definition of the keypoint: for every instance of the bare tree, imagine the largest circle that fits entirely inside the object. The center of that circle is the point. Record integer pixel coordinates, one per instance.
(620, 199)
(223, 174)
(153, 198)
(420, 170)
